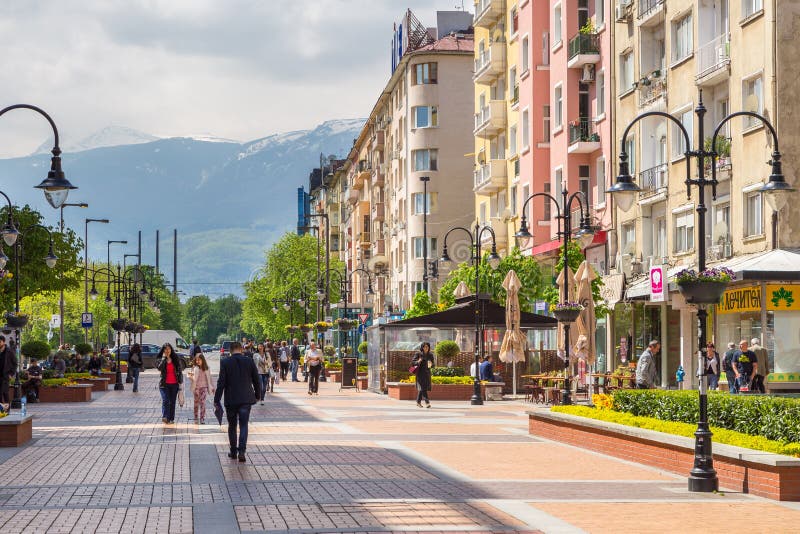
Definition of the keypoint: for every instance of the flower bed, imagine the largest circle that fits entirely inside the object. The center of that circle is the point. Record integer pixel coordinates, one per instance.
(15, 430)
(70, 392)
(446, 388)
(97, 383)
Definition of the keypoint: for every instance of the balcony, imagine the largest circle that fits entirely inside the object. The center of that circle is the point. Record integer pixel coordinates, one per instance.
(362, 174)
(713, 61)
(364, 240)
(583, 139)
(490, 63)
(487, 12)
(491, 119)
(654, 181)
(500, 234)
(650, 12)
(584, 49)
(378, 140)
(352, 196)
(379, 175)
(378, 211)
(379, 247)
(652, 89)
(490, 177)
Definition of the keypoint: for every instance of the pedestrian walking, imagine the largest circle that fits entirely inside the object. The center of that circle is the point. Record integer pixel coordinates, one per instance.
(727, 366)
(646, 366)
(135, 363)
(712, 366)
(8, 368)
(421, 364)
(314, 362)
(745, 364)
(263, 363)
(202, 384)
(171, 367)
(294, 364)
(763, 369)
(239, 382)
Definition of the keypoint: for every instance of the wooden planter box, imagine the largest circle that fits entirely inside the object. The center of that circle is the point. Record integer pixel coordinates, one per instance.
(15, 430)
(76, 393)
(112, 377)
(773, 476)
(442, 392)
(98, 384)
(335, 376)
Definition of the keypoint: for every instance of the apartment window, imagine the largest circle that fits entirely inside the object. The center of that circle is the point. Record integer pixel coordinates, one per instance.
(546, 212)
(482, 213)
(557, 24)
(420, 206)
(600, 83)
(753, 216)
(600, 173)
(751, 7)
(753, 98)
(600, 12)
(513, 203)
(426, 116)
(684, 231)
(584, 184)
(425, 159)
(559, 180)
(525, 130)
(558, 99)
(546, 122)
(545, 48)
(626, 72)
(513, 21)
(512, 85)
(526, 191)
(628, 238)
(660, 238)
(682, 38)
(512, 141)
(525, 54)
(418, 243)
(630, 149)
(678, 140)
(425, 73)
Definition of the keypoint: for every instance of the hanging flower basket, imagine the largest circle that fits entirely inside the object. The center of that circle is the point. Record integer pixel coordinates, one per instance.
(705, 287)
(119, 324)
(130, 327)
(291, 328)
(322, 326)
(16, 320)
(140, 329)
(566, 312)
(306, 328)
(345, 324)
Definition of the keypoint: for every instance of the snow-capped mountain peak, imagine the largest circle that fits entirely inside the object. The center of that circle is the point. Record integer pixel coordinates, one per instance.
(108, 136)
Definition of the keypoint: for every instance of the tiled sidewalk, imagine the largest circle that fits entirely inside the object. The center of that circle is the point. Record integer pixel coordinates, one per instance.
(341, 462)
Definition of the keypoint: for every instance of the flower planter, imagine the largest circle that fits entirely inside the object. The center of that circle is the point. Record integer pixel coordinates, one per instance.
(119, 324)
(16, 321)
(305, 329)
(112, 377)
(98, 384)
(441, 392)
(76, 393)
(335, 376)
(566, 316)
(345, 328)
(702, 292)
(15, 430)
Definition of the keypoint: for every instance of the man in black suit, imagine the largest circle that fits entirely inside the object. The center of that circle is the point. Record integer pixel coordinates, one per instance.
(8, 368)
(239, 381)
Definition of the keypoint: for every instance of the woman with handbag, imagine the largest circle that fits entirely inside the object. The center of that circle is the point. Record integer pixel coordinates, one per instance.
(170, 365)
(135, 364)
(202, 384)
(421, 367)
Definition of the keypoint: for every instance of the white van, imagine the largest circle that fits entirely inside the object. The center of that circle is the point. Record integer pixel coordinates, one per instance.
(159, 337)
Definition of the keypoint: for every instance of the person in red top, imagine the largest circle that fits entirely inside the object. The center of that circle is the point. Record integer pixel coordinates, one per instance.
(171, 367)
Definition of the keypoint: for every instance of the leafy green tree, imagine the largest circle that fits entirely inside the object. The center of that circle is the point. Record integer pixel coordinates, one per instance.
(198, 309)
(421, 305)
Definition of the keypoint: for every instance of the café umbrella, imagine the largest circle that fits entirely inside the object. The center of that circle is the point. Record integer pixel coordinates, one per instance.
(514, 343)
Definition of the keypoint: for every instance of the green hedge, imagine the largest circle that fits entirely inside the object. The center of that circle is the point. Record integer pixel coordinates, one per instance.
(447, 371)
(443, 379)
(721, 435)
(56, 382)
(773, 418)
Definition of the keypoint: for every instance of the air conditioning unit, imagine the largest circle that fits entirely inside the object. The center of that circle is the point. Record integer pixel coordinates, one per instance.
(587, 74)
(622, 11)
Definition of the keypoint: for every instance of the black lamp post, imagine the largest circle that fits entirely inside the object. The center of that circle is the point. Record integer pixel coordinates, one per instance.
(61, 298)
(55, 187)
(703, 476)
(425, 180)
(86, 269)
(346, 290)
(494, 262)
(584, 236)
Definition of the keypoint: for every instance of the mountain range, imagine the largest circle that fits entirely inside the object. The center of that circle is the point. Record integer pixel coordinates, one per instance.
(229, 200)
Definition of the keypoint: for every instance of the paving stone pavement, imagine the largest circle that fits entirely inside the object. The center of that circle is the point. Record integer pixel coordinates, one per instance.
(339, 462)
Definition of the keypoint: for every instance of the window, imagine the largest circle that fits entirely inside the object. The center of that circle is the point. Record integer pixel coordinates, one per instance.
(682, 38)
(629, 238)
(600, 13)
(418, 243)
(753, 220)
(482, 213)
(425, 73)
(559, 180)
(684, 231)
(425, 159)
(600, 173)
(513, 203)
(584, 185)
(419, 203)
(525, 130)
(512, 141)
(558, 100)
(600, 83)
(513, 88)
(630, 149)
(426, 116)
(753, 98)
(751, 7)
(525, 54)
(546, 121)
(626, 72)
(678, 140)
(546, 213)
(557, 25)
(513, 22)
(545, 48)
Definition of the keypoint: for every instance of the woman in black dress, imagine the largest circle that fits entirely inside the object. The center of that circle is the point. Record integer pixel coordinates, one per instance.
(423, 360)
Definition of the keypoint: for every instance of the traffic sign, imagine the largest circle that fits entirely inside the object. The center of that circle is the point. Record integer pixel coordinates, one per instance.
(363, 317)
(55, 320)
(87, 320)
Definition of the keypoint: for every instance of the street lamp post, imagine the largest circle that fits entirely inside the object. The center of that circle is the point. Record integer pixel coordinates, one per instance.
(425, 180)
(86, 269)
(703, 476)
(584, 236)
(61, 299)
(494, 261)
(346, 290)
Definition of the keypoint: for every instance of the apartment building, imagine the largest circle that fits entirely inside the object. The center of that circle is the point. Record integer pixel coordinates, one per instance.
(738, 56)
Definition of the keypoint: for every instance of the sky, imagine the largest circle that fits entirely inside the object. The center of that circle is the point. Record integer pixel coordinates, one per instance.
(237, 69)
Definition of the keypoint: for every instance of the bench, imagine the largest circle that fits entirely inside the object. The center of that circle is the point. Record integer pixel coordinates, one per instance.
(15, 430)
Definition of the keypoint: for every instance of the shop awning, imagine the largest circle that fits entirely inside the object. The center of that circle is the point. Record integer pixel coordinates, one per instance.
(599, 238)
(463, 314)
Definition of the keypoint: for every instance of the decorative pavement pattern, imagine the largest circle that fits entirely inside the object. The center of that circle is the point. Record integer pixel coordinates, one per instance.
(340, 462)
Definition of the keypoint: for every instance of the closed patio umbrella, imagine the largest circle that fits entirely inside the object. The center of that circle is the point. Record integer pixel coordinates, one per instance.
(514, 343)
(584, 348)
(573, 297)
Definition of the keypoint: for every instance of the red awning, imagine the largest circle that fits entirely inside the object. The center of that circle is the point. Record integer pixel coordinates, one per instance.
(599, 238)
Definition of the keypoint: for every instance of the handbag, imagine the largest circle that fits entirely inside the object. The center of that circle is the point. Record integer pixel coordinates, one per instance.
(413, 369)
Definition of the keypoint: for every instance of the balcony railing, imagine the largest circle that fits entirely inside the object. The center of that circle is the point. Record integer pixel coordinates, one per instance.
(582, 131)
(584, 43)
(648, 6)
(713, 55)
(652, 88)
(653, 181)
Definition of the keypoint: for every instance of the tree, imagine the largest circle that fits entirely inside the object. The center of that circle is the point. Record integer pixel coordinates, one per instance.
(421, 305)
(197, 308)
(491, 281)
(576, 257)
